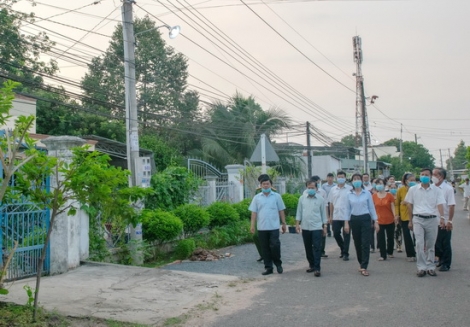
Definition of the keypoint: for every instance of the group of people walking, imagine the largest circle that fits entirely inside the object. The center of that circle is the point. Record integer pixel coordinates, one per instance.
(419, 213)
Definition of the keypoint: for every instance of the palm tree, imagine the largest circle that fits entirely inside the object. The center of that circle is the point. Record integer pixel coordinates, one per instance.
(234, 129)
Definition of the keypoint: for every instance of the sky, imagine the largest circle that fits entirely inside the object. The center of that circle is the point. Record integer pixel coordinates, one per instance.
(298, 56)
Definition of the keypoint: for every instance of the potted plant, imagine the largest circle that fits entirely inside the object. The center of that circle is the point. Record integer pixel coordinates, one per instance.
(290, 221)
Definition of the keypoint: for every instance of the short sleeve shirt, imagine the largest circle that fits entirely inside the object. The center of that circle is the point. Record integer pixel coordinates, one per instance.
(425, 201)
(267, 210)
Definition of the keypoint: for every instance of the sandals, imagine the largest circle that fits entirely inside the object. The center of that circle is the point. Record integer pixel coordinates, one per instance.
(364, 272)
(391, 256)
(381, 259)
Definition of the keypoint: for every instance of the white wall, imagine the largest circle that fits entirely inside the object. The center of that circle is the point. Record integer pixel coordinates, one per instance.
(22, 106)
(322, 165)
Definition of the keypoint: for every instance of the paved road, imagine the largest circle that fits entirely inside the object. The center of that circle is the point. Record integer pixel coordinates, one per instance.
(391, 296)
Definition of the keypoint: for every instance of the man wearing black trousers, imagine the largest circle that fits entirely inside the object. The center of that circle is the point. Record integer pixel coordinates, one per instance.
(444, 234)
(267, 210)
(338, 214)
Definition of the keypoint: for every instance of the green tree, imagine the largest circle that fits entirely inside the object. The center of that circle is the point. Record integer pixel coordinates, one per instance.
(12, 156)
(345, 147)
(398, 168)
(234, 128)
(164, 154)
(88, 181)
(417, 155)
(459, 158)
(161, 81)
(20, 53)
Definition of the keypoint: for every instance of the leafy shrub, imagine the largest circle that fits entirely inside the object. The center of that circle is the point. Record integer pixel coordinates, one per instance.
(222, 213)
(185, 248)
(232, 234)
(160, 226)
(290, 201)
(290, 221)
(242, 209)
(172, 187)
(193, 217)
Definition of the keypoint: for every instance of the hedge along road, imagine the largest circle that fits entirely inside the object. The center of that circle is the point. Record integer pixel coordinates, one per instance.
(391, 296)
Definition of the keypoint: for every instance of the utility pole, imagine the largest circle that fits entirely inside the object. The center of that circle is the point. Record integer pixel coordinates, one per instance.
(309, 152)
(361, 100)
(401, 143)
(416, 138)
(440, 153)
(132, 132)
(451, 167)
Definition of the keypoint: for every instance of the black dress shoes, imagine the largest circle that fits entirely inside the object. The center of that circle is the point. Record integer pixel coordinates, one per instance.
(346, 258)
(444, 268)
(279, 269)
(267, 272)
(317, 273)
(310, 270)
(260, 259)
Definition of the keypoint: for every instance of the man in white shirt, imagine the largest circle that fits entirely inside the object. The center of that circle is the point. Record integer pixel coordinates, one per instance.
(466, 193)
(366, 182)
(338, 213)
(444, 234)
(327, 188)
(422, 202)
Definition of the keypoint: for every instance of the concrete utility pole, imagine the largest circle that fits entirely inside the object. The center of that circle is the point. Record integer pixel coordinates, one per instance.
(309, 152)
(361, 101)
(401, 143)
(132, 132)
(451, 167)
(440, 153)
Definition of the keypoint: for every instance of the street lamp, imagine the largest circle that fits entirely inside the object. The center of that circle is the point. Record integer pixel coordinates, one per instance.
(132, 131)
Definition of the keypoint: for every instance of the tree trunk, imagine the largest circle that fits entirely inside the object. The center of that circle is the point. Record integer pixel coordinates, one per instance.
(41, 263)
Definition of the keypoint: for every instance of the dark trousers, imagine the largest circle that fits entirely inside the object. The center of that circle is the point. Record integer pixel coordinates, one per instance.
(385, 247)
(360, 229)
(372, 236)
(312, 243)
(270, 247)
(342, 241)
(443, 247)
(408, 239)
(256, 241)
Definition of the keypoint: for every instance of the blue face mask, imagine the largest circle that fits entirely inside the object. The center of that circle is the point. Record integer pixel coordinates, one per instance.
(410, 184)
(374, 185)
(366, 183)
(425, 179)
(393, 191)
(266, 190)
(311, 192)
(357, 184)
(379, 187)
(341, 180)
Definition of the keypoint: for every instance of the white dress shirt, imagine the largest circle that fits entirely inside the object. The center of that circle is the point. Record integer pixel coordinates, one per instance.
(425, 201)
(339, 198)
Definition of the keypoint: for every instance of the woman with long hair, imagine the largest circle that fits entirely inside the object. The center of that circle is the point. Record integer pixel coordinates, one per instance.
(401, 210)
(384, 203)
(361, 212)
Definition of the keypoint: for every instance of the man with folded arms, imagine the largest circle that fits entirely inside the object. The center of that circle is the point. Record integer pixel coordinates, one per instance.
(422, 203)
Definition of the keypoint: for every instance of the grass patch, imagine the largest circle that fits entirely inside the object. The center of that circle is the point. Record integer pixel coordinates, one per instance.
(175, 321)
(13, 315)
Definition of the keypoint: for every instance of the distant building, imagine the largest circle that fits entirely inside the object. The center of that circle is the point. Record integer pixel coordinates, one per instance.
(22, 106)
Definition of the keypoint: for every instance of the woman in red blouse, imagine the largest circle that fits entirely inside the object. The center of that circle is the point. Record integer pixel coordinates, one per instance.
(385, 207)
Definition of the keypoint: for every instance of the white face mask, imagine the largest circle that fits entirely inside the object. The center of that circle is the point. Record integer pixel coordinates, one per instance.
(435, 180)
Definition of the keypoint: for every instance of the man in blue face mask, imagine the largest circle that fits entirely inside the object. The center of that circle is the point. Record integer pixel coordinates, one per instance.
(311, 214)
(338, 213)
(267, 211)
(423, 202)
